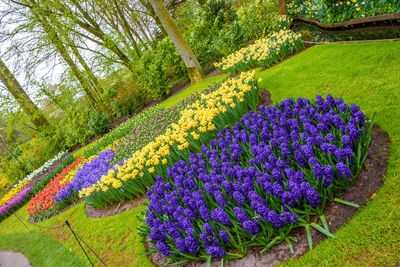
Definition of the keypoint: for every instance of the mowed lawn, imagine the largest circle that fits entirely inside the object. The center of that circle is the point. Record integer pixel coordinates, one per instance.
(367, 74)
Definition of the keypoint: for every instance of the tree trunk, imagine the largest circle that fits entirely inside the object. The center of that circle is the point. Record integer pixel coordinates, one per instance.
(127, 28)
(153, 14)
(92, 78)
(282, 10)
(16, 90)
(192, 64)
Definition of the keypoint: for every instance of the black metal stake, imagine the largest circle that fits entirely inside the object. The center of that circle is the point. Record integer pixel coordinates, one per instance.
(23, 223)
(67, 223)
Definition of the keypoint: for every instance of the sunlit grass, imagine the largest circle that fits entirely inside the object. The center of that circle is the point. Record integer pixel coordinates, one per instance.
(365, 74)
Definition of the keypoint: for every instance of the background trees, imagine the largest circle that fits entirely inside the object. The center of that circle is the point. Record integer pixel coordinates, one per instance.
(86, 64)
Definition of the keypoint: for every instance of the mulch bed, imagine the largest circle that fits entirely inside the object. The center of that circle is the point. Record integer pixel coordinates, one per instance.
(114, 208)
(363, 189)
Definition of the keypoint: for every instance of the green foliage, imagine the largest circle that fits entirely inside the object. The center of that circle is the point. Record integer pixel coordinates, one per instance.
(334, 10)
(98, 123)
(125, 98)
(12, 169)
(158, 68)
(260, 18)
(73, 130)
(214, 31)
(36, 152)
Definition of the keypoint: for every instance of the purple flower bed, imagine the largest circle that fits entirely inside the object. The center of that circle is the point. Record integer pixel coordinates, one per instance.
(87, 175)
(17, 199)
(250, 187)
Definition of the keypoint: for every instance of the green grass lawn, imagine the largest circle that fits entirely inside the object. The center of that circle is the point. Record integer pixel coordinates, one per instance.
(366, 74)
(41, 249)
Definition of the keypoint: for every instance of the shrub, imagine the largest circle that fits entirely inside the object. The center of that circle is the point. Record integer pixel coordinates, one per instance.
(98, 123)
(125, 98)
(156, 69)
(214, 31)
(260, 18)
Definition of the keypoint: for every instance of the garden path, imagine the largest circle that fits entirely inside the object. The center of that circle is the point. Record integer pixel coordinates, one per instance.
(9, 258)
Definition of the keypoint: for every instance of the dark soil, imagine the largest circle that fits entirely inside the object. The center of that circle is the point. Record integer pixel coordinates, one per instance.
(366, 184)
(265, 98)
(114, 208)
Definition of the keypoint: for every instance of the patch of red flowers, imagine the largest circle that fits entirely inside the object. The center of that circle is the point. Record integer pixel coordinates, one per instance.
(44, 199)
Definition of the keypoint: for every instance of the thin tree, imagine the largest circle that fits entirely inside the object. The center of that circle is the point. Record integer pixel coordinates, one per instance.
(282, 10)
(16, 90)
(192, 64)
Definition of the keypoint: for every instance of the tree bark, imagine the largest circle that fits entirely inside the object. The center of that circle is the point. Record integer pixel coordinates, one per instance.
(153, 14)
(192, 64)
(282, 10)
(16, 90)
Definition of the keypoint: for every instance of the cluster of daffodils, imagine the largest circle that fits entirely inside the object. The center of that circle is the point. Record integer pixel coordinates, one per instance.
(341, 10)
(198, 123)
(262, 53)
(308, 9)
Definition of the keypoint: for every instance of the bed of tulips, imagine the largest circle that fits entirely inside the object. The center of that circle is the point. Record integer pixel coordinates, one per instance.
(262, 53)
(154, 125)
(198, 123)
(269, 173)
(32, 184)
(42, 204)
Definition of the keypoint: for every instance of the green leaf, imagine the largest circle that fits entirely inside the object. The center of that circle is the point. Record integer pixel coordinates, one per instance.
(322, 230)
(290, 245)
(324, 222)
(309, 238)
(209, 261)
(349, 203)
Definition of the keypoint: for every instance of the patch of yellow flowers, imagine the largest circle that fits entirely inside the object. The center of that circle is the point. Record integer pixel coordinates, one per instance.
(70, 176)
(10, 195)
(196, 119)
(262, 53)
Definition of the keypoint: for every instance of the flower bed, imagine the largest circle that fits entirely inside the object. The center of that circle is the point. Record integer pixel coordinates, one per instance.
(34, 177)
(152, 125)
(42, 204)
(32, 184)
(86, 176)
(262, 53)
(250, 187)
(331, 11)
(197, 124)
